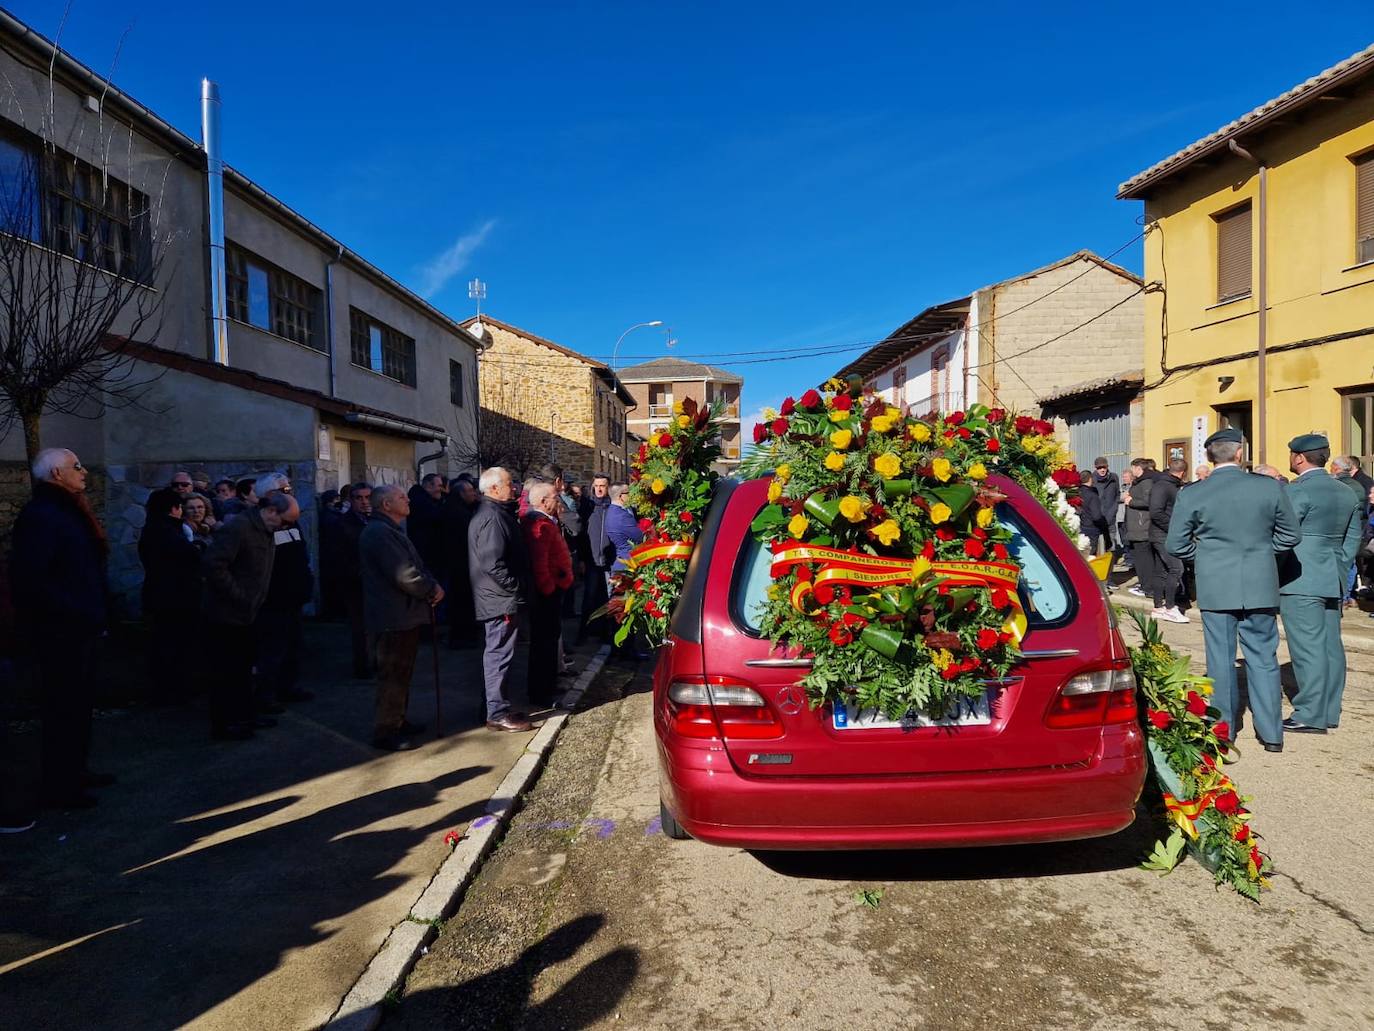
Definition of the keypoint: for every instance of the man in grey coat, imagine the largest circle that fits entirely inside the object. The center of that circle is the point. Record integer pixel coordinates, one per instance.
(398, 593)
(1312, 580)
(1232, 525)
(495, 568)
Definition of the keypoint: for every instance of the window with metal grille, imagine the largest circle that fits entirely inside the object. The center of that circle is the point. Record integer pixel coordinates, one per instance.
(1364, 208)
(455, 383)
(262, 295)
(1233, 253)
(376, 346)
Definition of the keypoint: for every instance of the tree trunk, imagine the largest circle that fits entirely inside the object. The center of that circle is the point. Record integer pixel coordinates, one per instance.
(33, 441)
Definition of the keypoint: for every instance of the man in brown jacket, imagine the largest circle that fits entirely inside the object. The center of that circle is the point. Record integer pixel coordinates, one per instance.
(238, 569)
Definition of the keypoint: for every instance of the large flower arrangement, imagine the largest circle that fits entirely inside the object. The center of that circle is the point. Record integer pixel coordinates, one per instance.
(670, 489)
(1188, 748)
(889, 564)
(1029, 453)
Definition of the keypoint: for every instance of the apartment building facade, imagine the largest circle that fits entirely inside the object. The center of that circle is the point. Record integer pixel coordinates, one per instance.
(320, 364)
(658, 384)
(1262, 237)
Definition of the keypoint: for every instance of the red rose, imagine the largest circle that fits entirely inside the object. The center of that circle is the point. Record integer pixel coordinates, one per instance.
(1197, 705)
(839, 635)
(950, 672)
(1004, 637)
(842, 402)
(1076, 501)
(1000, 550)
(994, 446)
(779, 427)
(1160, 720)
(686, 517)
(1023, 423)
(965, 433)
(943, 589)
(803, 574)
(1227, 802)
(638, 585)
(979, 532)
(643, 452)
(664, 576)
(811, 399)
(944, 533)
(949, 434)
(665, 440)
(1000, 599)
(825, 594)
(854, 621)
(1042, 427)
(646, 524)
(996, 414)
(928, 550)
(1256, 858)
(788, 406)
(1222, 730)
(1243, 832)
(760, 432)
(1208, 761)
(954, 418)
(987, 638)
(974, 548)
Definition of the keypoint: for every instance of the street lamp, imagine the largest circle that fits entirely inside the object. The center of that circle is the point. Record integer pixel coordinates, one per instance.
(615, 380)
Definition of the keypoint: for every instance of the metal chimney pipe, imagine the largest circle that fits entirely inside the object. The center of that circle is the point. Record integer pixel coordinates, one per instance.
(214, 190)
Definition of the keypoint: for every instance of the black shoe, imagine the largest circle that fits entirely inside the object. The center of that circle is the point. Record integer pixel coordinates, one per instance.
(98, 780)
(1270, 746)
(263, 722)
(233, 732)
(298, 695)
(410, 729)
(393, 743)
(74, 800)
(1292, 726)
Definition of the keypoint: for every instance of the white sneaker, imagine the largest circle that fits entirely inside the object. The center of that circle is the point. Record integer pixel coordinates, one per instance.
(1173, 615)
(1138, 592)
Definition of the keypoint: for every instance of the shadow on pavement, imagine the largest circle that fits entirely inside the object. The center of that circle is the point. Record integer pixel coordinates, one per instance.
(501, 998)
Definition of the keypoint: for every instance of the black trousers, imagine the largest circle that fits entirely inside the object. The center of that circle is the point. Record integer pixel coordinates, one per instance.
(1144, 555)
(594, 595)
(66, 671)
(231, 691)
(1096, 532)
(1168, 576)
(546, 626)
(278, 634)
(174, 646)
(396, 651)
(362, 654)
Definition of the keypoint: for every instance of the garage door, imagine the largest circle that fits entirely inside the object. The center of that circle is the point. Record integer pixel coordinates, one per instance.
(1104, 431)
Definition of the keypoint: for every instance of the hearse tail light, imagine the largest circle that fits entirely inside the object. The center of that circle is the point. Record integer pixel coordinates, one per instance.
(706, 707)
(1095, 698)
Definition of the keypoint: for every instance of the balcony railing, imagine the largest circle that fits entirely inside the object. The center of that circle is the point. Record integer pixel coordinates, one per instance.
(662, 411)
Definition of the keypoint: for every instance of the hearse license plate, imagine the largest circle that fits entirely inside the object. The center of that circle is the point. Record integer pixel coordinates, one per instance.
(967, 712)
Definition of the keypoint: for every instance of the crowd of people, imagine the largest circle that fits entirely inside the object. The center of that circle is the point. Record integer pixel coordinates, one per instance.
(228, 572)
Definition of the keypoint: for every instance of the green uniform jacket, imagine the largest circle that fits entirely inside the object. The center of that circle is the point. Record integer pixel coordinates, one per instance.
(1329, 515)
(1231, 525)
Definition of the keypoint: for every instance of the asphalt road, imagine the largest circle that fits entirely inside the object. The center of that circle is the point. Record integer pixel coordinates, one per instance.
(587, 917)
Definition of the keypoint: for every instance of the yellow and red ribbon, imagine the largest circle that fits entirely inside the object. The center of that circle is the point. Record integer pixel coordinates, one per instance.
(646, 553)
(1185, 812)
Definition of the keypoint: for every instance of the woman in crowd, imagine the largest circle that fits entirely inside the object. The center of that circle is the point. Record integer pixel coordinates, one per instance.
(195, 512)
(171, 591)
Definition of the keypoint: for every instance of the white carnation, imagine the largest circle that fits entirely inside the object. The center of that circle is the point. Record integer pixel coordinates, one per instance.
(1083, 542)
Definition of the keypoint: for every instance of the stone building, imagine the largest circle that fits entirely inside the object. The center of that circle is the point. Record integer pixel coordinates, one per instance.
(542, 402)
(657, 384)
(1061, 342)
(319, 364)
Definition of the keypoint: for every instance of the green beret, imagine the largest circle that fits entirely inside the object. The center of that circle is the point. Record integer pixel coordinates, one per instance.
(1230, 435)
(1308, 442)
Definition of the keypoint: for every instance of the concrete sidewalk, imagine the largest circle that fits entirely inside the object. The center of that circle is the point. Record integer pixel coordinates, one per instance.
(240, 884)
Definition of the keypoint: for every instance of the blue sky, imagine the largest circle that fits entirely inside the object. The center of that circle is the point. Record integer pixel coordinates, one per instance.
(760, 177)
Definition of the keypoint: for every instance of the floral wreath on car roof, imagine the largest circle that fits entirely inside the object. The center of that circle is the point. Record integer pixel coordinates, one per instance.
(670, 489)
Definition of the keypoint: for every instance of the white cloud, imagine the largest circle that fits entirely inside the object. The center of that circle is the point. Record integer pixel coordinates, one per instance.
(436, 273)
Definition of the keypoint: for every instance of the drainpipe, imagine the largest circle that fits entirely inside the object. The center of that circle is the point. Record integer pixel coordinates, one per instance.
(420, 465)
(329, 312)
(1261, 426)
(214, 191)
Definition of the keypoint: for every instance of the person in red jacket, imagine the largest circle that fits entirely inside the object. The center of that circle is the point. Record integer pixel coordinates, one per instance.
(550, 575)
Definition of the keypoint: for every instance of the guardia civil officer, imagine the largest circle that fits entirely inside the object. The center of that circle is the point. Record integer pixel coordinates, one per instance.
(1232, 525)
(1312, 581)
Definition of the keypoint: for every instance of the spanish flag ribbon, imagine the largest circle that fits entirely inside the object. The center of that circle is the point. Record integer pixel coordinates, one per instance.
(646, 553)
(844, 567)
(1185, 813)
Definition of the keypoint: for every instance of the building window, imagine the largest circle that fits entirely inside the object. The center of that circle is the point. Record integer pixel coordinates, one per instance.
(262, 295)
(939, 379)
(1233, 253)
(1364, 208)
(898, 384)
(660, 400)
(1359, 428)
(378, 347)
(455, 383)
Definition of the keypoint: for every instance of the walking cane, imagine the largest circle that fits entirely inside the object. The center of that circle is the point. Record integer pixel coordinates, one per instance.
(434, 645)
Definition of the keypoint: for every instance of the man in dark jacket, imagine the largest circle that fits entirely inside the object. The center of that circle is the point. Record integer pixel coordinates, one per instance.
(1108, 490)
(171, 593)
(1090, 519)
(57, 573)
(1168, 569)
(398, 593)
(351, 525)
(278, 624)
(459, 505)
(596, 553)
(238, 571)
(1138, 528)
(425, 524)
(496, 568)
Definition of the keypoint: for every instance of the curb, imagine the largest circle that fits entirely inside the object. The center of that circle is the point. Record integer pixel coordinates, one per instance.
(362, 1008)
(1356, 639)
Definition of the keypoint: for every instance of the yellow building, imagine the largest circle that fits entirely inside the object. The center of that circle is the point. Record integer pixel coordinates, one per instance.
(1260, 264)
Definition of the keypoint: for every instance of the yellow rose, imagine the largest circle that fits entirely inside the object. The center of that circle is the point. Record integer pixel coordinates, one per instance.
(797, 525)
(833, 383)
(1030, 443)
(769, 414)
(658, 486)
(984, 517)
(684, 421)
(893, 413)
(677, 407)
(783, 472)
(839, 416)
(941, 468)
(920, 568)
(977, 471)
(834, 461)
(852, 508)
(881, 424)
(775, 490)
(888, 465)
(940, 513)
(840, 439)
(920, 433)
(887, 531)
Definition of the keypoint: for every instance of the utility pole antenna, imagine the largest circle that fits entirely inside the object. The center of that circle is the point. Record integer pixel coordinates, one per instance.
(669, 341)
(477, 291)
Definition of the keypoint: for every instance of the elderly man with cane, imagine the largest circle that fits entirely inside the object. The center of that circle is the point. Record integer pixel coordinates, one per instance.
(398, 598)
